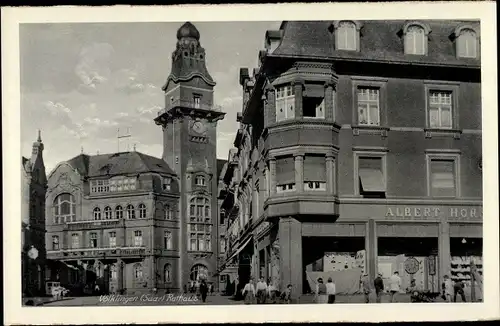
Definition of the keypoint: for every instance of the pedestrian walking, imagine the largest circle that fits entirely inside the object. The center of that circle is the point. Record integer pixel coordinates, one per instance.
(249, 292)
(271, 291)
(211, 289)
(203, 290)
(394, 285)
(448, 288)
(330, 290)
(366, 287)
(321, 296)
(286, 296)
(261, 291)
(458, 288)
(379, 287)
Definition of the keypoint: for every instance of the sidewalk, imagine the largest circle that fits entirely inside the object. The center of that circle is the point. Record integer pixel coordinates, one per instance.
(40, 301)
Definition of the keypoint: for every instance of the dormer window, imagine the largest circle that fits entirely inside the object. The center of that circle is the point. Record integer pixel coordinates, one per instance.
(415, 38)
(200, 181)
(466, 43)
(167, 184)
(347, 36)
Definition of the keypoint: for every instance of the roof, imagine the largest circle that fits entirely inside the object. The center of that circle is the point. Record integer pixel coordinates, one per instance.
(220, 166)
(118, 163)
(379, 40)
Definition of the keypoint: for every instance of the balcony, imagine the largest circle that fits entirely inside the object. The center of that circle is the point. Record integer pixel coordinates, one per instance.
(180, 107)
(109, 252)
(94, 224)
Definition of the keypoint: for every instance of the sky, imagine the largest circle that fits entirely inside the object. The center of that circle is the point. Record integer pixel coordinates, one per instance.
(81, 82)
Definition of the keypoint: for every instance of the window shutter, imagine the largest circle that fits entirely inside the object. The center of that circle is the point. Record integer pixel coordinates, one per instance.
(314, 168)
(314, 90)
(371, 174)
(285, 170)
(443, 178)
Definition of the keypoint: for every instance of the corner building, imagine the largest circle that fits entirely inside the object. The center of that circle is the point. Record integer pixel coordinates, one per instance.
(359, 137)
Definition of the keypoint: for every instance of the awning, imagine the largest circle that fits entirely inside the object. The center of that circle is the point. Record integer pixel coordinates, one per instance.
(372, 180)
(239, 249)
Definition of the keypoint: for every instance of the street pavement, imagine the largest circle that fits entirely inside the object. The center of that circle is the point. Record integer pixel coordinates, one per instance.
(187, 299)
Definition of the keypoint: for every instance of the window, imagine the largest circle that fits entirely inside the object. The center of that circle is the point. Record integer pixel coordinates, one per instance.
(368, 106)
(443, 176)
(75, 241)
(167, 240)
(167, 273)
(415, 40)
(200, 180)
(313, 107)
(167, 184)
(122, 184)
(315, 185)
(100, 186)
(222, 245)
(199, 272)
(314, 172)
(93, 240)
(371, 175)
(347, 36)
(467, 43)
(142, 211)
(64, 208)
(55, 242)
(285, 103)
(119, 212)
(440, 109)
(108, 214)
(130, 212)
(168, 212)
(112, 239)
(138, 272)
(138, 238)
(97, 213)
(199, 227)
(285, 174)
(197, 101)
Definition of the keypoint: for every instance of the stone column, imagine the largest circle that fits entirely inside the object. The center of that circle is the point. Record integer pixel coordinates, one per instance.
(444, 258)
(291, 269)
(371, 249)
(299, 172)
(152, 271)
(329, 102)
(119, 275)
(272, 175)
(330, 174)
(270, 107)
(298, 86)
(266, 275)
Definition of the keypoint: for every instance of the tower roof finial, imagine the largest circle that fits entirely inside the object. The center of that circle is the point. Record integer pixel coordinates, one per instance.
(39, 136)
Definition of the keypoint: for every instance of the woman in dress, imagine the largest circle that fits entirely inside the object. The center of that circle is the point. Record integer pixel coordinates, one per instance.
(249, 292)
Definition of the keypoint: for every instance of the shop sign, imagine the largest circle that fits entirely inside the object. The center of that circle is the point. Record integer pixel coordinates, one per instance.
(433, 212)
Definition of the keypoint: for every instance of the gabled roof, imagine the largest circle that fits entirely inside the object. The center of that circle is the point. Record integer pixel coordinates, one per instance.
(379, 40)
(220, 166)
(118, 163)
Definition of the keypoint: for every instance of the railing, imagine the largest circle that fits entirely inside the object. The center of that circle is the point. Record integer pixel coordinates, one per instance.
(96, 252)
(192, 105)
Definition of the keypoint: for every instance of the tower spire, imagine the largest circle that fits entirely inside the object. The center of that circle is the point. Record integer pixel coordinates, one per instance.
(39, 136)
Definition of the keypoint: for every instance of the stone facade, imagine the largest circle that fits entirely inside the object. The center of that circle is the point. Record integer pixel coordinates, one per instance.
(33, 188)
(189, 122)
(340, 140)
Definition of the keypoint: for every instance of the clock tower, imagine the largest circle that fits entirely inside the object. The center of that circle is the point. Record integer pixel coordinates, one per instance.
(189, 123)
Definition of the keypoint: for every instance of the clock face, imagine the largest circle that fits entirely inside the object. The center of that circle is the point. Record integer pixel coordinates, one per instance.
(199, 127)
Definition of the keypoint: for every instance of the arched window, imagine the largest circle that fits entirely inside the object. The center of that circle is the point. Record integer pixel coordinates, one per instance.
(467, 43)
(347, 36)
(415, 40)
(167, 273)
(130, 212)
(108, 213)
(168, 212)
(167, 240)
(64, 208)
(200, 180)
(199, 272)
(118, 212)
(138, 272)
(97, 213)
(142, 211)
